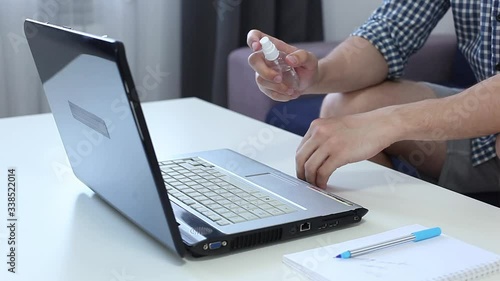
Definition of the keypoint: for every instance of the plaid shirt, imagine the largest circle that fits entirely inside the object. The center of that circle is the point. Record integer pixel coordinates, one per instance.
(400, 27)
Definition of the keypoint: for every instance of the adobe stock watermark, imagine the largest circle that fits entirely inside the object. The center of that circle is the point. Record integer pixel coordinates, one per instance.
(120, 107)
(281, 119)
(252, 145)
(121, 275)
(265, 136)
(47, 11)
(324, 255)
(224, 6)
(259, 141)
(394, 179)
(454, 117)
(319, 255)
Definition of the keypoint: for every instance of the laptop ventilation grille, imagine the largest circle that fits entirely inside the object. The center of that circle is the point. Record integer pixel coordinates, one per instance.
(255, 239)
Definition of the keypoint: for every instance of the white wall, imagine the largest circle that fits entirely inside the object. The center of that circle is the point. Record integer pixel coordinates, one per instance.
(342, 17)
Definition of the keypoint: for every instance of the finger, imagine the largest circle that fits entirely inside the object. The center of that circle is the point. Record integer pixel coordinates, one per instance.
(277, 96)
(253, 41)
(277, 87)
(298, 165)
(253, 38)
(303, 155)
(302, 58)
(314, 162)
(276, 91)
(308, 134)
(330, 165)
(256, 61)
(282, 46)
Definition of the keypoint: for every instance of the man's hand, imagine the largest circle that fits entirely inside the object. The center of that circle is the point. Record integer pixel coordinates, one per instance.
(270, 81)
(333, 142)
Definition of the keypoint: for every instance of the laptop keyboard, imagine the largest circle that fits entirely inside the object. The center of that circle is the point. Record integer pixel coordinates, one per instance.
(208, 190)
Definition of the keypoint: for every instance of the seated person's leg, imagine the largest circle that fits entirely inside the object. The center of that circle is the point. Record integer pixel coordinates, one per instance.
(481, 182)
(428, 157)
(382, 95)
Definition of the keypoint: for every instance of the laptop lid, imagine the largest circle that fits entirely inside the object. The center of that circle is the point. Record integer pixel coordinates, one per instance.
(92, 96)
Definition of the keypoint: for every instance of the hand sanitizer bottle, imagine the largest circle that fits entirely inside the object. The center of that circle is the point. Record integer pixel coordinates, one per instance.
(275, 59)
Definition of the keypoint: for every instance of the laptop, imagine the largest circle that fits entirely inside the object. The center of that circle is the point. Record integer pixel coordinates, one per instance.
(198, 203)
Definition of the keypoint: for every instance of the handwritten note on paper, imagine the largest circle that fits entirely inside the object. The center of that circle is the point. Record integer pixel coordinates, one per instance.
(380, 268)
(424, 260)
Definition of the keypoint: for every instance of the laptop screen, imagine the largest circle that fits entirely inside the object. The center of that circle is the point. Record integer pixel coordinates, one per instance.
(82, 76)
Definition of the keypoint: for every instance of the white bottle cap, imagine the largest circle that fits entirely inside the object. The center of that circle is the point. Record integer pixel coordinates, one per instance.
(270, 51)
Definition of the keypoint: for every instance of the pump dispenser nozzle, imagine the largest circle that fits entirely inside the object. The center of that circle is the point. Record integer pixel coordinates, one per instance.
(269, 49)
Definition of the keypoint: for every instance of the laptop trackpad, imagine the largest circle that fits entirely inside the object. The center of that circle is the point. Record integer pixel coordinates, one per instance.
(271, 181)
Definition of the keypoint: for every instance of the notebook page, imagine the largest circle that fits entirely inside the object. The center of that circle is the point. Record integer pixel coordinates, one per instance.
(439, 257)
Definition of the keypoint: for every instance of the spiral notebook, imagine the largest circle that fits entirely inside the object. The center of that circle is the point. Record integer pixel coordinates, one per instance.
(439, 258)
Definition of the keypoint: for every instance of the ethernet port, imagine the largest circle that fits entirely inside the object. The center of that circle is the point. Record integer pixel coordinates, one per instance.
(305, 227)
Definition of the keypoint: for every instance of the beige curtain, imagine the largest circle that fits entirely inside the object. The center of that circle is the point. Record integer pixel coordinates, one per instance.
(150, 30)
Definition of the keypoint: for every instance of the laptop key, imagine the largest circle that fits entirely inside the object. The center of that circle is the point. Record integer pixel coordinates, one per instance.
(207, 202)
(183, 188)
(223, 222)
(260, 213)
(181, 197)
(213, 205)
(190, 192)
(248, 216)
(188, 201)
(189, 182)
(202, 190)
(199, 207)
(248, 206)
(187, 166)
(214, 217)
(221, 211)
(286, 209)
(219, 199)
(275, 212)
(254, 201)
(197, 178)
(265, 206)
(222, 201)
(238, 210)
(236, 219)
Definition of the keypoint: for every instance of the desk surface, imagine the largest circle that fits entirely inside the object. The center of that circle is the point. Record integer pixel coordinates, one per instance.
(65, 232)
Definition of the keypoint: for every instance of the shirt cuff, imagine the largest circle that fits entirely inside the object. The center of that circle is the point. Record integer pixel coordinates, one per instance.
(380, 37)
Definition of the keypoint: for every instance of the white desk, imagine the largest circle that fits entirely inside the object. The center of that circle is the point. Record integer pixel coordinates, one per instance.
(67, 233)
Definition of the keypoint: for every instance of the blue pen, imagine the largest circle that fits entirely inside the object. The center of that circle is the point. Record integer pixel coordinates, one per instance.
(415, 237)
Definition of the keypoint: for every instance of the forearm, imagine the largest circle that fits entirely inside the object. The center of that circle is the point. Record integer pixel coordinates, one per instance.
(472, 113)
(354, 64)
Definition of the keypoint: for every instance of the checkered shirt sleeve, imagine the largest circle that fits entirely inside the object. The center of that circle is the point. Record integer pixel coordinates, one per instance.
(399, 28)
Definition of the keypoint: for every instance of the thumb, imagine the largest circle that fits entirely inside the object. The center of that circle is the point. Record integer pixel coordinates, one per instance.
(302, 58)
